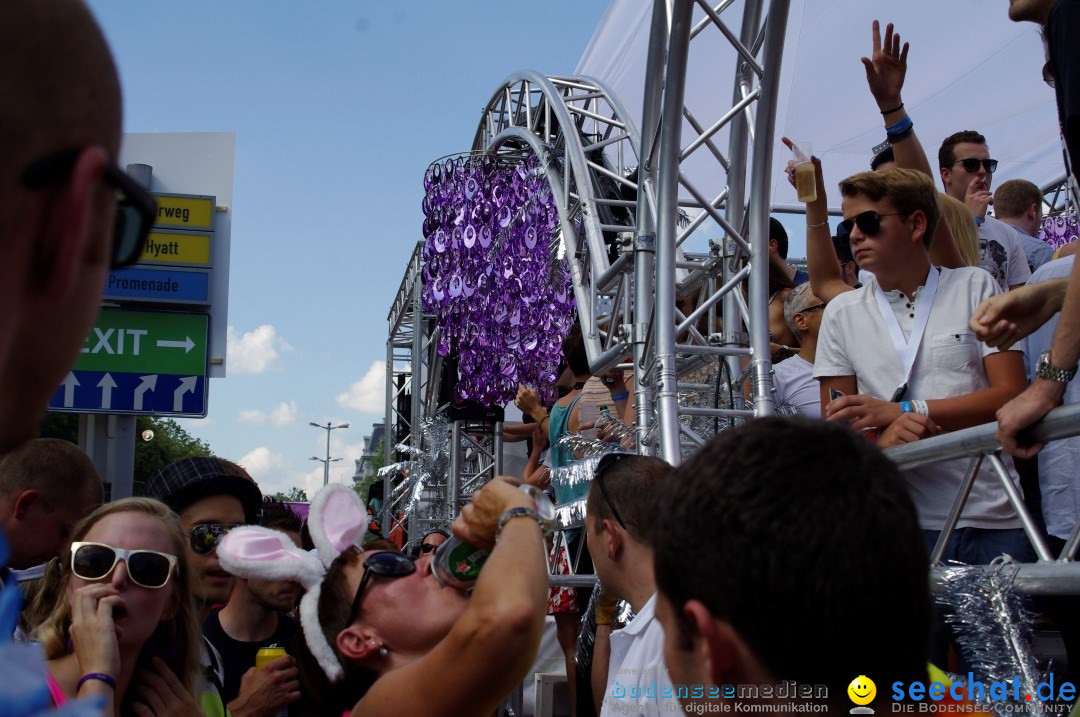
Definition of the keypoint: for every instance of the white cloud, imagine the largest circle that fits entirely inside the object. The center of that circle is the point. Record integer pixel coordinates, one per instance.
(255, 351)
(275, 474)
(283, 415)
(368, 395)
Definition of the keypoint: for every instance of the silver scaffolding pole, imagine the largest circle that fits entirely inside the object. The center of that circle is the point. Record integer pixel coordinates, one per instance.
(669, 357)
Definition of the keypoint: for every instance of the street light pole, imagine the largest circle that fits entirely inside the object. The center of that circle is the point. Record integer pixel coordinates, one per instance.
(326, 463)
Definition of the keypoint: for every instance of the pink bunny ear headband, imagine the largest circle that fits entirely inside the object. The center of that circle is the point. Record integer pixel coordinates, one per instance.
(337, 520)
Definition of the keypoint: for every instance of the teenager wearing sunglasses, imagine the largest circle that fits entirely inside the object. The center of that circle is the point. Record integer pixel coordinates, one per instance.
(126, 628)
(967, 172)
(212, 496)
(900, 351)
(431, 541)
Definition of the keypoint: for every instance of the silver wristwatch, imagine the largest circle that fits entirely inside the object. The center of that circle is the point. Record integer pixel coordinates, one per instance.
(1044, 369)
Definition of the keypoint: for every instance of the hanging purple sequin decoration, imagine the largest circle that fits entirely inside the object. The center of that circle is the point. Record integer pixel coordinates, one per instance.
(500, 306)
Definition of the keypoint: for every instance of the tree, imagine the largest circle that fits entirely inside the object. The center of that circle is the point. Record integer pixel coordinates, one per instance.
(170, 442)
(295, 495)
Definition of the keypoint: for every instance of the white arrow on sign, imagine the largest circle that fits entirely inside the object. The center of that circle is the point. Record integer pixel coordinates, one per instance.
(187, 385)
(69, 383)
(149, 383)
(187, 344)
(106, 384)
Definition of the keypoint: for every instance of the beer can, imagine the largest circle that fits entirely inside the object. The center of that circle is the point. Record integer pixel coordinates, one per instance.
(266, 655)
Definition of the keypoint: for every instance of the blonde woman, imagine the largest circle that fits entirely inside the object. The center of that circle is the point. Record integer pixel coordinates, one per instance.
(125, 628)
(964, 232)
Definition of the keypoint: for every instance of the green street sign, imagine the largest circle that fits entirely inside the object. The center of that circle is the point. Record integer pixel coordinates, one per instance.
(151, 342)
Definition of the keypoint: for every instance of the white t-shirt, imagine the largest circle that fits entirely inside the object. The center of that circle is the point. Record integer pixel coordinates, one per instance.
(854, 340)
(638, 682)
(1002, 255)
(1059, 462)
(796, 386)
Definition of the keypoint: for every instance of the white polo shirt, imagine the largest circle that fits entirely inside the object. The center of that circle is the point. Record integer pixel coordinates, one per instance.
(637, 677)
(854, 340)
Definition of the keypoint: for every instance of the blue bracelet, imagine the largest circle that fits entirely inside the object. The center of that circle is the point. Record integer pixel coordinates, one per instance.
(620, 396)
(905, 407)
(899, 126)
(100, 676)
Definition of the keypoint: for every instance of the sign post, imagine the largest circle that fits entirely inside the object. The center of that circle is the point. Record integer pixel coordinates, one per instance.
(155, 354)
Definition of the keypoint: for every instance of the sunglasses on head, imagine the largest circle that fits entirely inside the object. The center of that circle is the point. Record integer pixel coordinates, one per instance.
(136, 209)
(96, 561)
(205, 538)
(605, 462)
(808, 309)
(972, 165)
(868, 222)
(386, 565)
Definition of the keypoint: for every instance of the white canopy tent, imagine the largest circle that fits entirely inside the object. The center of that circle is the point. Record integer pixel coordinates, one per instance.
(969, 67)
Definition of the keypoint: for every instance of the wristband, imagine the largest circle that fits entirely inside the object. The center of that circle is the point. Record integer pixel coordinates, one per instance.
(899, 127)
(894, 109)
(620, 396)
(905, 407)
(100, 676)
(900, 136)
(818, 225)
(546, 417)
(519, 512)
(920, 408)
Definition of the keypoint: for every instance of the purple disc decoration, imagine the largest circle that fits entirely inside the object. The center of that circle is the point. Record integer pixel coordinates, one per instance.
(503, 305)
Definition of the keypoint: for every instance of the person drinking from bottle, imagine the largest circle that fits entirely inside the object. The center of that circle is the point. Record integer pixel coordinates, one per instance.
(381, 635)
(126, 630)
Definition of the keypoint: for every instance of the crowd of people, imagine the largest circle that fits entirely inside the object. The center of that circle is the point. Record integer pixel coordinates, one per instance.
(202, 597)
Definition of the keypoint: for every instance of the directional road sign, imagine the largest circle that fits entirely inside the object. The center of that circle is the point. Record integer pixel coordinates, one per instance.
(185, 211)
(159, 284)
(139, 362)
(176, 248)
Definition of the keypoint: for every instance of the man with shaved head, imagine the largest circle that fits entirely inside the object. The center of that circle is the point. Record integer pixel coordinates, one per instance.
(60, 131)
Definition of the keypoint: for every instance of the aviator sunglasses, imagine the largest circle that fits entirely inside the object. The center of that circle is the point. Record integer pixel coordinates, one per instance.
(385, 565)
(136, 210)
(96, 561)
(971, 165)
(869, 223)
(205, 538)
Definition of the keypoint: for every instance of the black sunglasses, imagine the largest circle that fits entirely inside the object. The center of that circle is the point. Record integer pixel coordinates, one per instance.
(148, 568)
(427, 548)
(972, 165)
(386, 565)
(869, 223)
(205, 538)
(136, 209)
(808, 309)
(605, 462)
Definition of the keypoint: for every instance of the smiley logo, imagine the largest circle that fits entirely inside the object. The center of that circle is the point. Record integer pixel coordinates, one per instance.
(862, 690)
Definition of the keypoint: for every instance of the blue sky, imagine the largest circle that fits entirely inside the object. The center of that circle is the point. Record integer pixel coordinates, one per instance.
(337, 107)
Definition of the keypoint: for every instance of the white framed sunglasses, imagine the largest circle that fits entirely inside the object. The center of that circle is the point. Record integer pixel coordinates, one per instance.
(146, 568)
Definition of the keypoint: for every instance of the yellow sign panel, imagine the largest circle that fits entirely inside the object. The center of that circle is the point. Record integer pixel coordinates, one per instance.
(176, 248)
(185, 211)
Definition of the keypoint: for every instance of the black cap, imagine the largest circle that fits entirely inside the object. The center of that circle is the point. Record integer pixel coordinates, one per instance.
(187, 480)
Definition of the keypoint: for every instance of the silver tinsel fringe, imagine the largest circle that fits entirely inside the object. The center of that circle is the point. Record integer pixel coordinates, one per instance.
(993, 630)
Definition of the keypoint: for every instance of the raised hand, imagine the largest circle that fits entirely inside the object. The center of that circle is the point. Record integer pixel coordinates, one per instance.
(886, 69)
